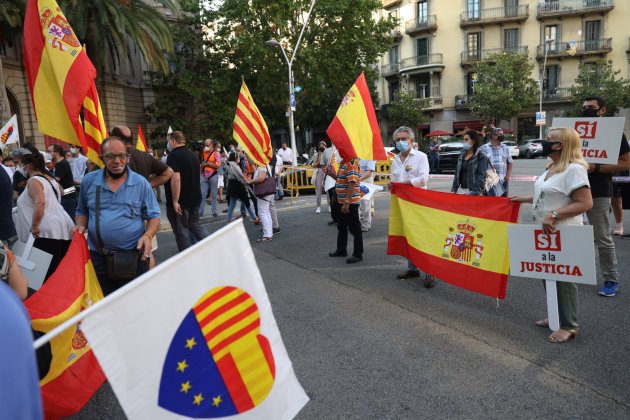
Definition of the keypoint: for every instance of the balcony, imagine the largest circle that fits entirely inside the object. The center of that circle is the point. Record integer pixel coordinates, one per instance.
(560, 8)
(468, 58)
(574, 49)
(556, 95)
(435, 97)
(461, 101)
(391, 3)
(420, 25)
(388, 70)
(497, 15)
(422, 64)
(396, 33)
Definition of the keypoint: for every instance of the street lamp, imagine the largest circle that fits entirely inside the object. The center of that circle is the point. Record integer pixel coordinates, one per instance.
(541, 82)
(274, 43)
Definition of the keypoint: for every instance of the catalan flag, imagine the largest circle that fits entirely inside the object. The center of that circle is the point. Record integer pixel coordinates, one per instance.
(203, 348)
(61, 79)
(459, 239)
(141, 142)
(354, 130)
(73, 375)
(250, 130)
(9, 133)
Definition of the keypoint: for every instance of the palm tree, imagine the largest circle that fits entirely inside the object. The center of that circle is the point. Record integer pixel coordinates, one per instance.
(11, 14)
(113, 26)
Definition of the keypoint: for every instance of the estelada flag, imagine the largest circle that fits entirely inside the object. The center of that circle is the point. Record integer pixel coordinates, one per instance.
(460, 239)
(354, 130)
(9, 133)
(250, 130)
(204, 347)
(73, 375)
(141, 142)
(61, 79)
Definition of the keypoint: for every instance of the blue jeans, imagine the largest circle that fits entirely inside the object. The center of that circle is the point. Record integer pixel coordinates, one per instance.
(232, 205)
(212, 184)
(99, 261)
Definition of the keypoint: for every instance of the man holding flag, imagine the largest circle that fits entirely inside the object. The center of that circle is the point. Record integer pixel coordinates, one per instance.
(411, 167)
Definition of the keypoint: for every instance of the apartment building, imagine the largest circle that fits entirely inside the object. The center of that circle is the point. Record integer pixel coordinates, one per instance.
(438, 41)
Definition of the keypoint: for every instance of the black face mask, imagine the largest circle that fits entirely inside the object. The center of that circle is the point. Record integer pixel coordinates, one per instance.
(500, 138)
(590, 112)
(116, 176)
(321, 149)
(546, 147)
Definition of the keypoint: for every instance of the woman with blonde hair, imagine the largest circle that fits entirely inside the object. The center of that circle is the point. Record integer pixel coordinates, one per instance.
(561, 195)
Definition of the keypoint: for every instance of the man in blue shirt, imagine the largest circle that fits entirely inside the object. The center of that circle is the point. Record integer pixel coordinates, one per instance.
(126, 203)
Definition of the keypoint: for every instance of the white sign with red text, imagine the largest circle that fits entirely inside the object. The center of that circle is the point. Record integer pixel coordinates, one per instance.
(568, 254)
(600, 137)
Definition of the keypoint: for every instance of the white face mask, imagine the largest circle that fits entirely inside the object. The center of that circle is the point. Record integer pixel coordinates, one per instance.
(21, 169)
(206, 149)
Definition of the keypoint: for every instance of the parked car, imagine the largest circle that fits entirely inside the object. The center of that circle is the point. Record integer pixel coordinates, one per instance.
(514, 151)
(530, 148)
(449, 153)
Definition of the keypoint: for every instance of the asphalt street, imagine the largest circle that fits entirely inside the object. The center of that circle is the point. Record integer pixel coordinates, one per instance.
(365, 345)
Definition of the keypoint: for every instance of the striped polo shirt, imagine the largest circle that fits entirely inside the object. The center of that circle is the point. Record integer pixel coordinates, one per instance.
(348, 172)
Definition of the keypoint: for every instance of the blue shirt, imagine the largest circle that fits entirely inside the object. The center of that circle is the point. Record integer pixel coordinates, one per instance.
(20, 397)
(122, 212)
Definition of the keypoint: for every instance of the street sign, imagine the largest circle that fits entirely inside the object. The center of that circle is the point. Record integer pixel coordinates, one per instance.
(541, 118)
(298, 88)
(292, 101)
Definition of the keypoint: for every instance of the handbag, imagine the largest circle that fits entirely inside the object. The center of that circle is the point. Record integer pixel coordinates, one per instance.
(267, 187)
(122, 266)
(493, 186)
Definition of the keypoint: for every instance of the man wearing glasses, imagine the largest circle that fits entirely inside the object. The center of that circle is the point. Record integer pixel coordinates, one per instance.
(126, 203)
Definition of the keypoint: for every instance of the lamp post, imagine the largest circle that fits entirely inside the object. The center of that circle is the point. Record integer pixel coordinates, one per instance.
(541, 82)
(274, 43)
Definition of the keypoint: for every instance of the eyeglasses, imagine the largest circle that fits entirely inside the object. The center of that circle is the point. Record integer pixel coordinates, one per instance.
(113, 156)
(585, 107)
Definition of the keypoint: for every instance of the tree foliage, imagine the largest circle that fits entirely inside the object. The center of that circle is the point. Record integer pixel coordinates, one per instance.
(600, 79)
(407, 110)
(341, 41)
(503, 88)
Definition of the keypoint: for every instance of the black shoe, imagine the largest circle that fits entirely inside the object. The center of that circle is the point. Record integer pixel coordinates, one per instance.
(332, 222)
(214, 215)
(354, 259)
(276, 230)
(338, 253)
(429, 281)
(408, 274)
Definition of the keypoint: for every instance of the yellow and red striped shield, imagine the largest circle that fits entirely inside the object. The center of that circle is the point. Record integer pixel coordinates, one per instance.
(250, 130)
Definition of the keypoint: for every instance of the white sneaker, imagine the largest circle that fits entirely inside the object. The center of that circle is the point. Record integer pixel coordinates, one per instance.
(318, 210)
(618, 229)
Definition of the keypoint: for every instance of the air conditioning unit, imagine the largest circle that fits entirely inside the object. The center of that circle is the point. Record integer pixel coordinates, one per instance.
(461, 102)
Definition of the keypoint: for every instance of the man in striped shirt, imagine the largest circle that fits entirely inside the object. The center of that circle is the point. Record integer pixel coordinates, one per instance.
(349, 197)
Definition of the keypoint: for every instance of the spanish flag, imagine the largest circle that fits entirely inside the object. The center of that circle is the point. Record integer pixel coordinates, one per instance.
(354, 130)
(73, 374)
(141, 142)
(460, 239)
(61, 79)
(250, 130)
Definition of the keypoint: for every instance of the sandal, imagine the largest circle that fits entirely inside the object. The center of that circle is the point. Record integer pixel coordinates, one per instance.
(257, 221)
(557, 336)
(544, 323)
(264, 239)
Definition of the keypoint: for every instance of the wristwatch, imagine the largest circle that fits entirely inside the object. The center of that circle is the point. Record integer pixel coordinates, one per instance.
(554, 215)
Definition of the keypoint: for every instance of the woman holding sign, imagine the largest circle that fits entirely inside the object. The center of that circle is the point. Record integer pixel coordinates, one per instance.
(561, 195)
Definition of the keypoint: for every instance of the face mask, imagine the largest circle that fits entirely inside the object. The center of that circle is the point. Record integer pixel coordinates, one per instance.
(402, 146)
(116, 176)
(168, 146)
(500, 138)
(546, 147)
(321, 149)
(590, 113)
(466, 147)
(232, 148)
(206, 149)
(73, 150)
(22, 170)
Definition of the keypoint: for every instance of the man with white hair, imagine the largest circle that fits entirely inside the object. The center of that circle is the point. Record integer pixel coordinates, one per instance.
(410, 167)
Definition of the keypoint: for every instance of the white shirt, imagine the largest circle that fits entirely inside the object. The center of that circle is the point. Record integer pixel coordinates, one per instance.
(286, 155)
(78, 166)
(414, 168)
(555, 193)
(279, 166)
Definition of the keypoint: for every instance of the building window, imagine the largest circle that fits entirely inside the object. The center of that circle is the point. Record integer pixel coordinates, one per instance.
(393, 55)
(592, 34)
(511, 8)
(422, 11)
(552, 80)
(422, 47)
(471, 78)
(393, 88)
(510, 39)
(473, 45)
(474, 9)
(423, 86)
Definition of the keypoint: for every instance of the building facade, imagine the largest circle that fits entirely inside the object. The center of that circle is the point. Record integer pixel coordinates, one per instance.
(437, 42)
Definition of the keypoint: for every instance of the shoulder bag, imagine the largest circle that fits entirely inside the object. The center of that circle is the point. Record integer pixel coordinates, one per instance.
(122, 266)
(493, 186)
(267, 187)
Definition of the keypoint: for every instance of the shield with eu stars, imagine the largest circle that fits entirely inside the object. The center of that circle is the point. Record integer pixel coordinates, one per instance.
(218, 364)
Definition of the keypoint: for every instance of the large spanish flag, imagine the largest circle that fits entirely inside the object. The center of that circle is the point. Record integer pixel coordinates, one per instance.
(61, 79)
(141, 142)
(461, 239)
(74, 374)
(354, 130)
(250, 130)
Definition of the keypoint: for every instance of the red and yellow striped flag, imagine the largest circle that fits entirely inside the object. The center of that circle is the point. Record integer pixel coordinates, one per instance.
(141, 142)
(73, 375)
(354, 130)
(460, 239)
(250, 130)
(61, 79)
